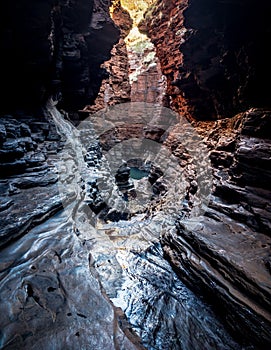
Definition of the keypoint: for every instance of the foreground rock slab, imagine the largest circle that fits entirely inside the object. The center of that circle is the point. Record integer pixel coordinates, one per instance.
(50, 296)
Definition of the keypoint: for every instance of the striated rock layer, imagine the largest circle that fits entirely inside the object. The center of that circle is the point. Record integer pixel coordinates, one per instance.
(28, 190)
(225, 253)
(211, 53)
(51, 296)
(50, 47)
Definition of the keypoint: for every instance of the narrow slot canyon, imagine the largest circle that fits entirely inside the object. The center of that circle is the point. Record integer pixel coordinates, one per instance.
(135, 175)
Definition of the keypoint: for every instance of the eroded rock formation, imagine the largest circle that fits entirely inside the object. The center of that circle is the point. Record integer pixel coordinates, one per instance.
(163, 23)
(223, 67)
(226, 251)
(147, 82)
(210, 54)
(49, 280)
(28, 148)
(50, 47)
(116, 87)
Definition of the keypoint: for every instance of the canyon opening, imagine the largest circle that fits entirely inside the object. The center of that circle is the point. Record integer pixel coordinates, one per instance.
(135, 175)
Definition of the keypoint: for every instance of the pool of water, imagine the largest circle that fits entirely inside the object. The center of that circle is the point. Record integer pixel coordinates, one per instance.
(138, 174)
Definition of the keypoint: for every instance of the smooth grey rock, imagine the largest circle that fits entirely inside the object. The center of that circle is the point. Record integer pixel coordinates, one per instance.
(3, 134)
(25, 130)
(56, 300)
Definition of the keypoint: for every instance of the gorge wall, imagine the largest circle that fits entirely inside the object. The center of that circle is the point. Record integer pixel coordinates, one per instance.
(115, 87)
(215, 57)
(51, 46)
(223, 66)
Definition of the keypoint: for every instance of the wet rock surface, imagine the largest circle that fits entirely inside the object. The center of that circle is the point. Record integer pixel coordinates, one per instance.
(163, 311)
(59, 268)
(29, 193)
(43, 262)
(53, 298)
(64, 263)
(58, 271)
(221, 254)
(227, 251)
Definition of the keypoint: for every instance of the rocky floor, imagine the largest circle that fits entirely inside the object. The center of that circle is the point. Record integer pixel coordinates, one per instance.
(43, 262)
(222, 252)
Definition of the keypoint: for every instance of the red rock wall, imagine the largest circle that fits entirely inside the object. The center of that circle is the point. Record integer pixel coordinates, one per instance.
(214, 53)
(163, 23)
(116, 87)
(148, 84)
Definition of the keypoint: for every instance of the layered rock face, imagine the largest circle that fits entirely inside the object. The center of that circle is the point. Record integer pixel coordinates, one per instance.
(225, 253)
(28, 149)
(51, 295)
(116, 87)
(51, 46)
(147, 82)
(223, 67)
(210, 53)
(163, 23)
